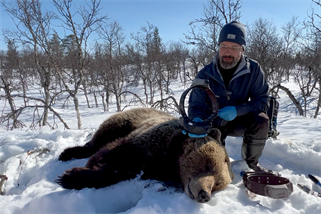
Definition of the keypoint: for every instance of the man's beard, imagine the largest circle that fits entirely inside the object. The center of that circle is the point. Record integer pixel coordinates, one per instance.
(228, 64)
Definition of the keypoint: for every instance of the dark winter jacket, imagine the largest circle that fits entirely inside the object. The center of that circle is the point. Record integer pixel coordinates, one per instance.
(247, 90)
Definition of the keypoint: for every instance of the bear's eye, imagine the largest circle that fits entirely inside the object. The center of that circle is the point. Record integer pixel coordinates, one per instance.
(189, 151)
(209, 166)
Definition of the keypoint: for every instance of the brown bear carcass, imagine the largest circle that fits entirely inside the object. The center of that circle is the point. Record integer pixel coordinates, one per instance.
(149, 141)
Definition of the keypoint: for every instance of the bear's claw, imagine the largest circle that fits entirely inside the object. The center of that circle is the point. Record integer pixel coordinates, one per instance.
(71, 179)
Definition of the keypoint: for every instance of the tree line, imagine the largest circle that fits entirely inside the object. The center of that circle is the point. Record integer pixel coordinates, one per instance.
(62, 66)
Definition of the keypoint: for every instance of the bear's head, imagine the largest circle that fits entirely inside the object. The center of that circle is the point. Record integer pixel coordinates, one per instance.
(204, 166)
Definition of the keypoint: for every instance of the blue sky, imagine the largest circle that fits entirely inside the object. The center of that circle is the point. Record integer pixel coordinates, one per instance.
(173, 16)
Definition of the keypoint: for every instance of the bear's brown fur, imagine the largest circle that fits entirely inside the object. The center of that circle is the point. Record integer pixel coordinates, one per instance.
(148, 140)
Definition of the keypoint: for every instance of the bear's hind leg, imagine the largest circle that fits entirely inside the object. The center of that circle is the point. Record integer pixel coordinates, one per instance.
(111, 129)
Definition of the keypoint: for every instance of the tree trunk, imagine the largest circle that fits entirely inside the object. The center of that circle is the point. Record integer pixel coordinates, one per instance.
(95, 98)
(24, 86)
(151, 101)
(318, 101)
(107, 100)
(10, 100)
(103, 100)
(295, 102)
(145, 90)
(86, 93)
(76, 102)
(118, 102)
(46, 110)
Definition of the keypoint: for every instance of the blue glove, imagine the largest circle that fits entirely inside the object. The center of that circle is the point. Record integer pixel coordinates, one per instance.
(196, 119)
(227, 113)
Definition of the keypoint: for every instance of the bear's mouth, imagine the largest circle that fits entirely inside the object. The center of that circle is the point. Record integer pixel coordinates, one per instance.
(190, 192)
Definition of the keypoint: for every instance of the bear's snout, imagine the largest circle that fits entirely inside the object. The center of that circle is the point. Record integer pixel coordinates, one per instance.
(203, 197)
(200, 188)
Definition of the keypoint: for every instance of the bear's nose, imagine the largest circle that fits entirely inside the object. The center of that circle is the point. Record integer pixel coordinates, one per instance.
(203, 197)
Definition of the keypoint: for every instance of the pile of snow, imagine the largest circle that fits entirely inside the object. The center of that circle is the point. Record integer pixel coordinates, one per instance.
(30, 161)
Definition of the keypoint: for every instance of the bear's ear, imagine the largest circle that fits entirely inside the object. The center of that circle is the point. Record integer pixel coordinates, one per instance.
(216, 134)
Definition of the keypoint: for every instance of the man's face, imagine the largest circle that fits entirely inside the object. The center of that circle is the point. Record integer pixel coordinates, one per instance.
(230, 54)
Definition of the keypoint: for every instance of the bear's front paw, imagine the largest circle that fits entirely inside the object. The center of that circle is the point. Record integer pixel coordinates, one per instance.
(66, 155)
(76, 152)
(71, 179)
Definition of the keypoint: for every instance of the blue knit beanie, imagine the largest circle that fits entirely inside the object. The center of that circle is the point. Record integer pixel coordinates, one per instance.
(233, 32)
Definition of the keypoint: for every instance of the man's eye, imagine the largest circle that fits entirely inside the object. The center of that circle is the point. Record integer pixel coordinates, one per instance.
(235, 48)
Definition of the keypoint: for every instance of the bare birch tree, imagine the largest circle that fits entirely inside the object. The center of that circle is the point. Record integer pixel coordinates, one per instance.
(143, 45)
(265, 46)
(80, 28)
(290, 46)
(33, 27)
(311, 53)
(205, 30)
(113, 36)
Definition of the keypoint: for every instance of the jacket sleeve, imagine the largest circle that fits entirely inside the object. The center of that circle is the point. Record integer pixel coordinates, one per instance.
(258, 93)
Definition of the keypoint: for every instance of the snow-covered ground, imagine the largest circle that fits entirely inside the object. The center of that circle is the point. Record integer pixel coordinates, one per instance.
(30, 187)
